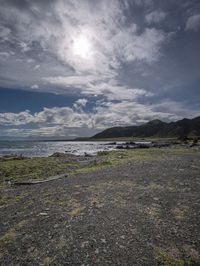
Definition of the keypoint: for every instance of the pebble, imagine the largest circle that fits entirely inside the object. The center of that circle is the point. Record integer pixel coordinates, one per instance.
(84, 244)
(97, 251)
(43, 213)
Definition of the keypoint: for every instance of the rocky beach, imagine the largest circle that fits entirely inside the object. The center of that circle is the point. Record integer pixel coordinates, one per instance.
(124, 207)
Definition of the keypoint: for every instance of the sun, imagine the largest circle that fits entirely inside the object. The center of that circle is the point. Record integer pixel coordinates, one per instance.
(82, 47)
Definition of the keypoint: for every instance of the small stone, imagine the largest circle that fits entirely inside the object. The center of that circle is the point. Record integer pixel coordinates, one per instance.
(31, 249)
(156, 198)
(84, 244)
(103, 241)
(43, 213)
(97, 251)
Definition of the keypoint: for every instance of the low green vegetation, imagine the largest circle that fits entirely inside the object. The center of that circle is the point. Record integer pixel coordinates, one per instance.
(43, 168)
(34, 168)
(46, 262)
(7, 200)
(11, 235)
(7, 238)
(167, 259)
(180, 213)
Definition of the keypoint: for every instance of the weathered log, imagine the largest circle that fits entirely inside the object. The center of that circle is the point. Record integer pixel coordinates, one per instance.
(34, 182)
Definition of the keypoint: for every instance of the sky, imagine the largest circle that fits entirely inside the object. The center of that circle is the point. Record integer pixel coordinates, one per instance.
(71, 68)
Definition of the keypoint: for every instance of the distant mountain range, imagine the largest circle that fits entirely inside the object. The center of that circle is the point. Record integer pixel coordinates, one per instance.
(155, 128)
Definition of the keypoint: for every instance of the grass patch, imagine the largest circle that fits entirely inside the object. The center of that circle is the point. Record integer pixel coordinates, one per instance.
(7, 200)
(21, 224)
(167, 259)
(114, 158)
(8, 238)
(180, 213)
(11, 235)
(102, 153)
(76, 212)
(34, 168)
(155, 186)
(154, 212)
(46, 262)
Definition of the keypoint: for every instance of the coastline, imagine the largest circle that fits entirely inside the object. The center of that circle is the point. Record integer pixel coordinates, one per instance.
(18, 168)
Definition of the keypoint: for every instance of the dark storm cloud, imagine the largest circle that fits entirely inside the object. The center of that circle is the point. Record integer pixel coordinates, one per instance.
(139, 58)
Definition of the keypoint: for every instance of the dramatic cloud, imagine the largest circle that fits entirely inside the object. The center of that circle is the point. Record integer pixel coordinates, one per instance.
(116, 62)
(94, 44)
(63, 121)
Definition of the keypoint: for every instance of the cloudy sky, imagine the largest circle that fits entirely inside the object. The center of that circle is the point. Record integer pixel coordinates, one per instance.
(71, 68)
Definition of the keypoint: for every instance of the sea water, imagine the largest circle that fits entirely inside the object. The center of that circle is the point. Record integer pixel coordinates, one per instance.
(46, 148)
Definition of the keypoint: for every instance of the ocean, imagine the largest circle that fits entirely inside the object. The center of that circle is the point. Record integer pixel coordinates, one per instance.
(47, 148)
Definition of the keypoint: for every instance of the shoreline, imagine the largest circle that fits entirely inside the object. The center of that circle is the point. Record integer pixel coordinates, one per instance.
(92, 147)
(19, 169)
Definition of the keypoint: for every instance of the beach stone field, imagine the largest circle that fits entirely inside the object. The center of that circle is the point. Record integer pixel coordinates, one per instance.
(139, 212)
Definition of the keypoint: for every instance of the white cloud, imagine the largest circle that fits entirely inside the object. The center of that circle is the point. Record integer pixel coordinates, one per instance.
(4, 56)
(4, 33)
(155, 16)
(193, 23)
(145, 47)
(30, 60)
(48, 132)
(49, 116)
(24, 47)
(80, 104)
(21, 118)
(36, 67)
(78, 81)
(61, 121)
(94, 85)
(92, 39)
(35, 86)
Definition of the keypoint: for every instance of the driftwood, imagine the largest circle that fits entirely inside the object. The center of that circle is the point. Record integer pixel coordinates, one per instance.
(33, 182)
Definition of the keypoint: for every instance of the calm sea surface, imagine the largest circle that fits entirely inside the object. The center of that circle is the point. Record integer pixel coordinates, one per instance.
(46, 148)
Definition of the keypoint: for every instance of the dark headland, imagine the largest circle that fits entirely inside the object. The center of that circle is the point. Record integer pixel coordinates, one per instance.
(155, 128)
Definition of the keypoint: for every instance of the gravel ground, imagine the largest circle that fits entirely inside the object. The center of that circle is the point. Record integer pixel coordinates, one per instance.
(140, 213)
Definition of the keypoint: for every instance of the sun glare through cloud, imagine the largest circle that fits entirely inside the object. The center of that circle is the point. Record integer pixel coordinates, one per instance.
(82, 47)
(125, 58)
